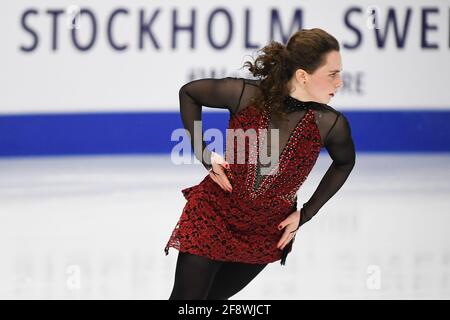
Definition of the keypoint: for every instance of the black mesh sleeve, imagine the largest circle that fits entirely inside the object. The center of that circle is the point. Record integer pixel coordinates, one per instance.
(215, 93)
(340, 146)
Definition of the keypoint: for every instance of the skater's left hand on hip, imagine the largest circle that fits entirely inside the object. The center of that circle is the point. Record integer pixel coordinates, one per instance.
(291, 223)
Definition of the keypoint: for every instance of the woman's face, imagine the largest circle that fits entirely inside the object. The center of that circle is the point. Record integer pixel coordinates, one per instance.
(321, 85)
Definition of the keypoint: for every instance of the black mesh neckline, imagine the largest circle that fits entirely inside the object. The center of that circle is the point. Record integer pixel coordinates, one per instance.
(292, 104)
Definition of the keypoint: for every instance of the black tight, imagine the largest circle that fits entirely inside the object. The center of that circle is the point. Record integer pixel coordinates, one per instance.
(200, 278)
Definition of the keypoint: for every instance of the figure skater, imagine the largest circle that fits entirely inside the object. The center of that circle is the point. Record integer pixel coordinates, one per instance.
(243, 214)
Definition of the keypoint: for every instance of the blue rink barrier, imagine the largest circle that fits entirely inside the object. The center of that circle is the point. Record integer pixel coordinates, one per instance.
(150, 132)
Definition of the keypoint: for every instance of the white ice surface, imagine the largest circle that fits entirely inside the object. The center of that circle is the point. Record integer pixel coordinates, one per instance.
(96, 227)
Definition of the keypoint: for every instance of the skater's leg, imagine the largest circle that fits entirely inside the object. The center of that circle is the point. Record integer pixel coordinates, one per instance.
(193, 276)
(231, 278)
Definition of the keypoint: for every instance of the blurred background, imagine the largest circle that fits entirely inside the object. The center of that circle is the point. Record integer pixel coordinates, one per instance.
(89, 189)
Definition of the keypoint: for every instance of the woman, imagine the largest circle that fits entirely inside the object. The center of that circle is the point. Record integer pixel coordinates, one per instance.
(243, 214)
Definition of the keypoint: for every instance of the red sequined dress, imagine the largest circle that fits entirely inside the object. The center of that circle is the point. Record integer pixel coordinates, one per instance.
(241, 226)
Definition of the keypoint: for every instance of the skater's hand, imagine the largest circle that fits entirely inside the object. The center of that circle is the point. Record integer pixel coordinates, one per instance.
(291, 223)
(217, 172)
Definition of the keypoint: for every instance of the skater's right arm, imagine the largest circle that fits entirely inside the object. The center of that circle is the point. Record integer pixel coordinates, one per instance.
(222, 93)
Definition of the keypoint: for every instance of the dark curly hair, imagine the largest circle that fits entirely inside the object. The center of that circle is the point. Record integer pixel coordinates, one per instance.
(275, 66)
